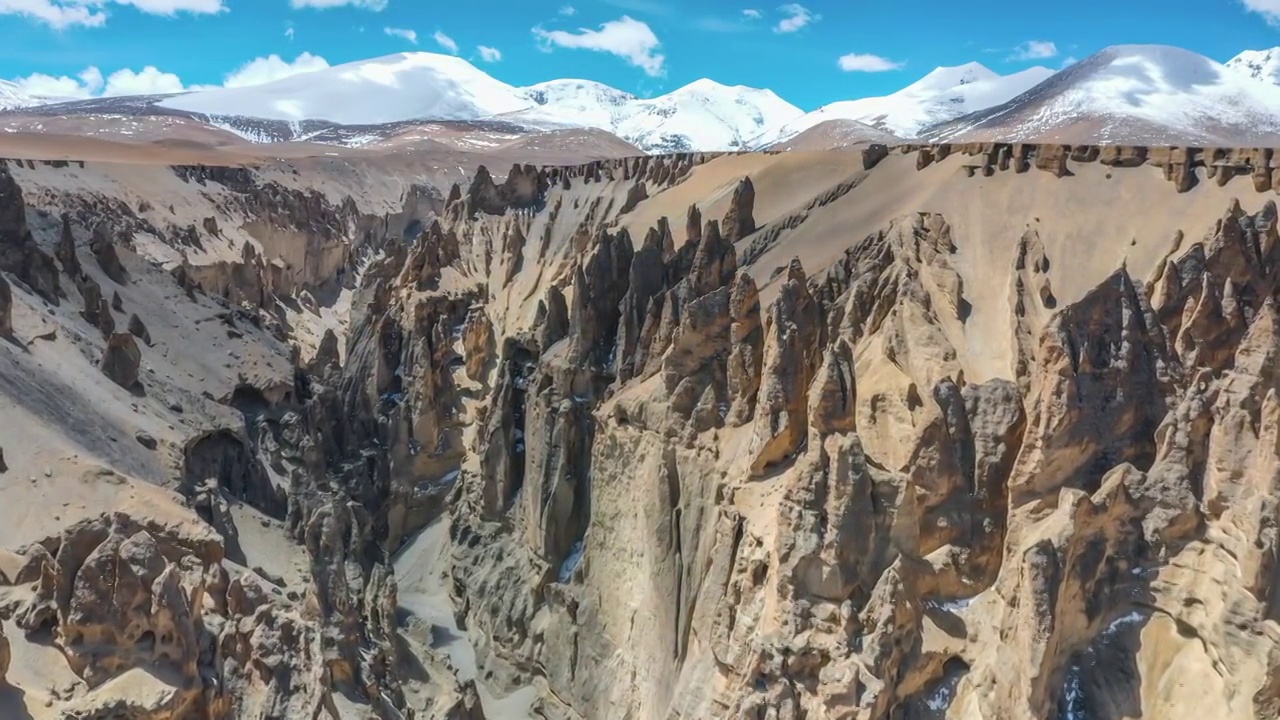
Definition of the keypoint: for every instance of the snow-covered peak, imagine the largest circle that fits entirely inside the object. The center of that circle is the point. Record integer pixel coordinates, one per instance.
(11, 96)
(1258, 64)
(555, 92)
(703, 115)
(945, 78)
(388, 89)
(1140, 94)
(942, 95)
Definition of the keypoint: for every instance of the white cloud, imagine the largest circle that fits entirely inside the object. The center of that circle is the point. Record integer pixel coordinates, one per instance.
(169, 7)
(91, 83)
(1069, 61)
(445, 42)
(489, 54)
(86, 84)
(288, 32)
(568, 11)
(403, 33)
(273, 67)
(629, 39)
(856, 62)
(753, 14)
(150, 80)
(797, 17)
(374, 5)
(1268, 9)
(1035, 50)
(61, 14)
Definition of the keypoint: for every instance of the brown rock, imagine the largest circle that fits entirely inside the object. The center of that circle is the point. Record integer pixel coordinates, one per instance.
(19, 253)
(122, 360)
(104, 251)
(327, 357)
(833, 395)
(138, 329)
(65, 252)
(6, 308)
(790, 332)
(477, 342)
(555, 319)
(5, 656)
(873, 155)
(738, 219)
(746, 350)
(636, 194)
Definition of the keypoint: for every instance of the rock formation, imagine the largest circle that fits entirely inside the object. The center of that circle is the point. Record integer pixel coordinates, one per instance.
(1006, 457)
(138, 329)
(103, 246)
(6, 308)
(121, 360)
(66, 251)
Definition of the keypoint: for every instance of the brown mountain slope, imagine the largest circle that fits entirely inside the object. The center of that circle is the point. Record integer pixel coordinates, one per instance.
(912, 433)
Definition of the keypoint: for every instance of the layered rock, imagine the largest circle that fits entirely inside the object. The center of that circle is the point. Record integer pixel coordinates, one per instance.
(680, 484)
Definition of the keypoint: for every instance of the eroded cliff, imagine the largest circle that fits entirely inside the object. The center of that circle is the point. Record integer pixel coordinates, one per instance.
(890, 435)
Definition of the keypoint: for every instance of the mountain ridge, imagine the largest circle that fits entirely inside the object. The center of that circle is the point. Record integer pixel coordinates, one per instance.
(363, 101)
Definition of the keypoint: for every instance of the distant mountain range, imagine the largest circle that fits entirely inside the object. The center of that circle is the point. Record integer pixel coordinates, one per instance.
(1124, 94)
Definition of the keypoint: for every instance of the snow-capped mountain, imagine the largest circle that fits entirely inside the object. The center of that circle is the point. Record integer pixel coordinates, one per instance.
(1133, 94)
(576, 102)
(703, 115)
(1125, 94)
(12, 97)
(369, 92)
(942, 95)
(1258, 64)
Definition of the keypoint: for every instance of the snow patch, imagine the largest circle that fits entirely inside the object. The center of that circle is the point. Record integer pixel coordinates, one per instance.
(944, 94)
(572, 562)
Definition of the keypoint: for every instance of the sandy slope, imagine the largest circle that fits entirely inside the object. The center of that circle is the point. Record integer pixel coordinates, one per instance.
(422, 575)
(69, 435)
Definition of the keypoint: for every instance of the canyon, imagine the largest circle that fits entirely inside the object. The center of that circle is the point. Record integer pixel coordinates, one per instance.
(908, 431)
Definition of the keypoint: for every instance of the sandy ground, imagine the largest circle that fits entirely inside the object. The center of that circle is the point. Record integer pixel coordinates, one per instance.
(1078, 219)
(421, 568)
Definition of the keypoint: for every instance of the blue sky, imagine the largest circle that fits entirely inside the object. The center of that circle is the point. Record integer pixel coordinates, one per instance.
(81, 47)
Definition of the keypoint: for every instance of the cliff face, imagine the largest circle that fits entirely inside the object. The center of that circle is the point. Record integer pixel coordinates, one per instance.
(899, 437)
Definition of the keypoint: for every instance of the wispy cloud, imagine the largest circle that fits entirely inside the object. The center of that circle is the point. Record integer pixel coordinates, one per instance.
(649, 7)
(1069, 61)
(288, 32)
(62, 14)
(721, 25)
(568, 10)
(1268, 9)
(489, 54)
(630, 39)
(374, 5)
(445, 42)
(796, 18)
(1035, 50)
(752, 14)
(402, 33)
(859, 62)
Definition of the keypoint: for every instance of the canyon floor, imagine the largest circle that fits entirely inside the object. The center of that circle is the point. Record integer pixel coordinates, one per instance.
(552, 430)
